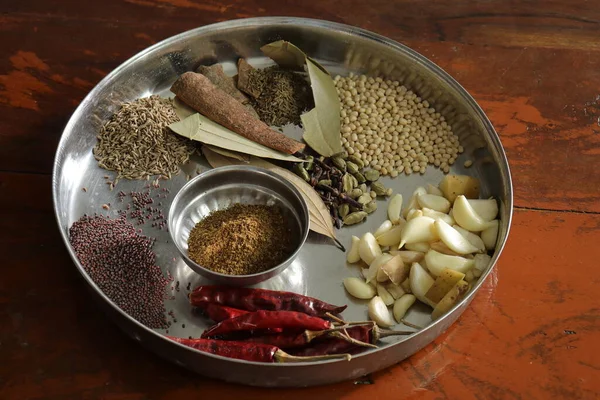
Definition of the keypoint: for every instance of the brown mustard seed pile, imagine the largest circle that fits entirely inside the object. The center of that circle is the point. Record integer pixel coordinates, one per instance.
(241, 240)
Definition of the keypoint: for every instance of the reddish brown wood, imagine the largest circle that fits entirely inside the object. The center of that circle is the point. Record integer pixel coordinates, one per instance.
(533, 66)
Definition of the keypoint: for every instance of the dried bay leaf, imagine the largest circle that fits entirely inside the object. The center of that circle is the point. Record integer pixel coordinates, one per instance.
(322, 123)
(198, 127)
(228, 153)
(320, 219)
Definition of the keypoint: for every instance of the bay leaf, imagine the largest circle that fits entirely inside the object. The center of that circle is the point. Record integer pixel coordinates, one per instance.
(320, 219)
(198, 127)
(322, 123)
(228, 153)
(181, 109)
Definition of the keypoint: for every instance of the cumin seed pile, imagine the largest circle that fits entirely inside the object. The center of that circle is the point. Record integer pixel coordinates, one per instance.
(241, 240)
(137, 144)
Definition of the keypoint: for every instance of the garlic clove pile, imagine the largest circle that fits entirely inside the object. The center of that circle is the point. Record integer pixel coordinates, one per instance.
(466, 217)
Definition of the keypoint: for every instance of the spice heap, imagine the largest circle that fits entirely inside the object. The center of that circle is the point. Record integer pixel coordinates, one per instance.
(241, 240)
(121, 262)
(279, 96)
(391, 129)
(348, 190)
(137, 144)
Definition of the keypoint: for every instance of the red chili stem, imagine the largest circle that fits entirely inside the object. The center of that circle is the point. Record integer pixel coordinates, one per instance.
(256, 352)
(289, 320)
(261, 299)
(290, 340)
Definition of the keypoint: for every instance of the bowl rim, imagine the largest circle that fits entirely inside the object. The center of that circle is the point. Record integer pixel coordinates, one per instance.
(305, 217)
(283, 20)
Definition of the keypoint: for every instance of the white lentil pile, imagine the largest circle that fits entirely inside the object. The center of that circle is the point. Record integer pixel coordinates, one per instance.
(392, 129)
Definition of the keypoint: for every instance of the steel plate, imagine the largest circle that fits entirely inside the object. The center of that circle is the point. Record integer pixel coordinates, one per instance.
(320, 267)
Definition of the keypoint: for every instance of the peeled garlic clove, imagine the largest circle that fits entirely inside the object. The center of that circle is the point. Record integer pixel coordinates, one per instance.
(382, 292)
(395, 270)
(395, 208)
(420, 282)
(417, 230)
(413, 203)
(482, 262)
(489, 236)
(437, 203)
(374, 269)
(474, 239)
(391, 237)
(368, 248)
(440, 247)
(383, 228)
(408, 257)
(434, 190)
(402, 305)
(379, 313)
(412, 214)
(469, 276)
(428, 212)
(353, 256)
(453, 239)
(395, 290)
(437, 262)
(406, 285)
(422, 247)
(487, 209)
(466, 217)
(358, 288)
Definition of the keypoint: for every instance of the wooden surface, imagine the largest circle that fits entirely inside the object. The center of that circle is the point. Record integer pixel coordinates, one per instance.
(533, 332)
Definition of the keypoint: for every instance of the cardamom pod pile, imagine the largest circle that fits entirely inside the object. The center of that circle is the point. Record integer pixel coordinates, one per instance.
(346, 187)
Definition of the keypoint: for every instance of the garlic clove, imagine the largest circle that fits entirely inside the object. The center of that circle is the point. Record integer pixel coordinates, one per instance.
(382, 292)
(395, 270)
(368, 248)
(482, 262)
(353, 256)
(379, 313)
(428, 212)
(437, 203)
(358, 288)
(374, 268)
(395, 290)
(440, 247)
(391, 237)
(489, 236)
(412, 214)
(466, 217)
(420, 282)
(408, 257)
(421, 247)
(453, 239)
(474, 239)
(417, 230)
(437, 262)
(384, 227)
(413, 203)
(487, 209)
(402, 305)
(395, 208)
(434, 190)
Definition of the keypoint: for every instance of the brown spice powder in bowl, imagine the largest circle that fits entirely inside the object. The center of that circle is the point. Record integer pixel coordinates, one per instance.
(241, 240)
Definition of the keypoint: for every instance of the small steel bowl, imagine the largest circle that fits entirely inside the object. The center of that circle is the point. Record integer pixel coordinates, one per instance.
(220, 188)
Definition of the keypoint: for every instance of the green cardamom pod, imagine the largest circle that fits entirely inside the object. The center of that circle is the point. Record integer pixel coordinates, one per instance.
(378, 188)
(355, 218)
(360, 177)
(356, 160)
(355, 209)
(370, 207)
(342, 154)
(308, 165)
(364, 199)
(371, 175)
(355, 193)
(354, 181)
(347, 183)
(363, 187)
(339, 163)
(343, 210)
(352, 168)
(324, 182)
(301, 172)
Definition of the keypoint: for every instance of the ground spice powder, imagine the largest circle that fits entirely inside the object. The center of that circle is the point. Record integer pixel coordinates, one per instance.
(241, 240)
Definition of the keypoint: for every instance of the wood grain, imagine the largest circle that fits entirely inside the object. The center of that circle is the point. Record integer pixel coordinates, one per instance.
(531, 333)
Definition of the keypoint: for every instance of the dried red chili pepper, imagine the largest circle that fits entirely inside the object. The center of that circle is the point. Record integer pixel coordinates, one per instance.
(289, 320)
(250, 351)
(219, 313)
(288, 340)
(362, 333)
(261, 299)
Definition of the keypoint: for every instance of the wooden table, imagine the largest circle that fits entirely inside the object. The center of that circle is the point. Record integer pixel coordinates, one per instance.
(533, 332)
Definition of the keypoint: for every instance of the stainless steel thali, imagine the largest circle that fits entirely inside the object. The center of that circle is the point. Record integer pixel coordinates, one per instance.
(320, 266)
